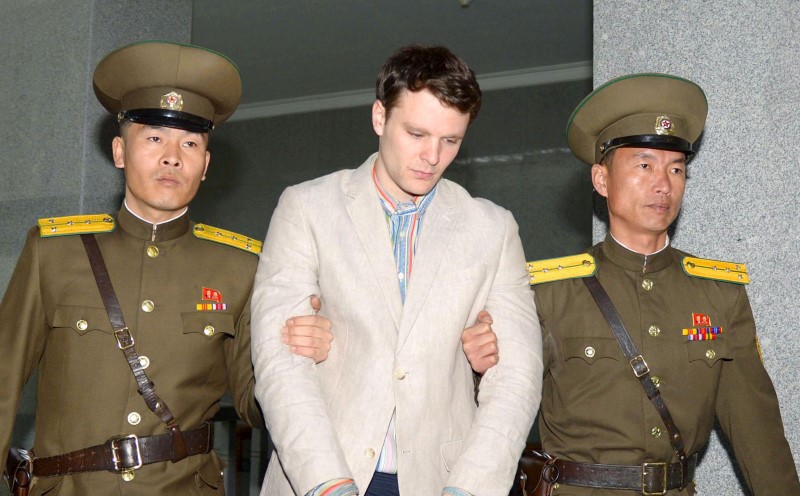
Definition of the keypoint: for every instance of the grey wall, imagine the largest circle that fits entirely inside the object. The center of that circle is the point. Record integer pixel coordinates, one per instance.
(514, 154)
(741, 200)
(56, 138)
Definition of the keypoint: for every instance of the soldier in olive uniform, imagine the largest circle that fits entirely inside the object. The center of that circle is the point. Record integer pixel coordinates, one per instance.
(183, 289)
(689, 318)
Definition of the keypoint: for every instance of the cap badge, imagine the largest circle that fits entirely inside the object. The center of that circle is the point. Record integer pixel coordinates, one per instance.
(664, 125)
(172, 101)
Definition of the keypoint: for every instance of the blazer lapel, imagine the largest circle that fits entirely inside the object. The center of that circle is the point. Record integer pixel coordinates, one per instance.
(370, 226)
(438, 226)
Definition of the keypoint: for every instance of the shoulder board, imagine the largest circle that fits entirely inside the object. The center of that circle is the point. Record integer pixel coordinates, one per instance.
(557, 269)
(229, 238)
(717, 270)
(75, 224)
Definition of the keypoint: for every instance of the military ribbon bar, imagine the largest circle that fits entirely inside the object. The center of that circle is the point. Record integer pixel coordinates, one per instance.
(204, 307)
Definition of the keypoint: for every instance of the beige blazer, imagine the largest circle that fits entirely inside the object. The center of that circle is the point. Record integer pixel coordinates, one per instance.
(330, 237)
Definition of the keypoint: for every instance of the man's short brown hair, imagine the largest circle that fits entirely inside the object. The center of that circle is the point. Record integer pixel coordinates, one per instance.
(435, 69)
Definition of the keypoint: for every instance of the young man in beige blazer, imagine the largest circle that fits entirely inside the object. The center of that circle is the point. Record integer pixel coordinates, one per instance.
(404, 261)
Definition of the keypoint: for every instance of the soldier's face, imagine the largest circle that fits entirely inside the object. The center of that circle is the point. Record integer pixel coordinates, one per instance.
(644, 188)
(418, 140)
(163, 168)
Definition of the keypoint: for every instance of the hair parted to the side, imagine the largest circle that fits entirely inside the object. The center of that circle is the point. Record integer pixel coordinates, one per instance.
(435, 69)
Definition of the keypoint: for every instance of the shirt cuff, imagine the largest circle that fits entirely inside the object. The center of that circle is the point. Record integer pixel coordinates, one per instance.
(454, 491)
(335, 487)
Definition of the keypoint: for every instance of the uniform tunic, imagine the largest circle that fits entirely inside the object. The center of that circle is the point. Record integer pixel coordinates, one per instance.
(53, 317)
(594, 410)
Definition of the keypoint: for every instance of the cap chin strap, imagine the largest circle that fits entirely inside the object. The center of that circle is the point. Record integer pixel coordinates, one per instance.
(167, 118)
(657, 141)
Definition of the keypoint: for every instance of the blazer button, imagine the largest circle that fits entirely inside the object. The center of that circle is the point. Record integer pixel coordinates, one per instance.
(148, 306)
(647, 284)
(369, 453)
(399, 374)
(654, 330)
(152, 251)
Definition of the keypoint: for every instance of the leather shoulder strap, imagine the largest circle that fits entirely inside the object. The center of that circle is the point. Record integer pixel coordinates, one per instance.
(126, 343)
(639, 366)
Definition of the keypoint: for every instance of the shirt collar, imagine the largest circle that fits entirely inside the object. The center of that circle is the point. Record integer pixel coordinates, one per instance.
(417, 204)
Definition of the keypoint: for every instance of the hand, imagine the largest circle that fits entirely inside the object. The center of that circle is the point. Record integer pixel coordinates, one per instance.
(480, 344)
(309, 335)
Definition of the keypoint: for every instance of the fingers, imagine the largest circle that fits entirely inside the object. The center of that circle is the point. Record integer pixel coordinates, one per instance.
(480, 343)
(308, 336)
(309, 321)
(316, 303)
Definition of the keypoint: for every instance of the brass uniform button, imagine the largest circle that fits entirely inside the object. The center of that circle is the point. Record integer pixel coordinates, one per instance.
(134, 418)
(710, 354)
(144, 362)
(82, 325)
(128, 475)
(152, 251)
(654, 330)
(647, 284)
(656, 381)
(655, 432)
(399, 374)
(209, 330)
(148, 306)
(589, 352)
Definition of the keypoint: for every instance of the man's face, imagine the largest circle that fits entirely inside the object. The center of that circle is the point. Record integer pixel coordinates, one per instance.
(418, 140)
(644, 188)
(163, 168)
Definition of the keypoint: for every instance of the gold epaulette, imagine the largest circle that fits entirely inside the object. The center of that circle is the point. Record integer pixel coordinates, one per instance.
(75, 224)
(715, 269)
(557, 269)
(229, 238)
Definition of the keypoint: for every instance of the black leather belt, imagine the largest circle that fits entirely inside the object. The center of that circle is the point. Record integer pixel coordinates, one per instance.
(649, 478)
(123, 453)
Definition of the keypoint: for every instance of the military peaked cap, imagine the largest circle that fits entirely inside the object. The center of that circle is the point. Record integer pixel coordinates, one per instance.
(168, 84)
(640, 110)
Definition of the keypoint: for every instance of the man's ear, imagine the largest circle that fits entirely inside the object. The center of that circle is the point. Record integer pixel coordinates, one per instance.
(378, 117)
(208, 161)
(599, 178)
(118, 151)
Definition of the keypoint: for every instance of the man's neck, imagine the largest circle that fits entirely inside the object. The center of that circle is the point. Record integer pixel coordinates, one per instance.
(145, 218)
(642, 244)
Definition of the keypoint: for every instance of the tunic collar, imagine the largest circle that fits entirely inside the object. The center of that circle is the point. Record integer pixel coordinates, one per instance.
(630, 260)
(152, 232)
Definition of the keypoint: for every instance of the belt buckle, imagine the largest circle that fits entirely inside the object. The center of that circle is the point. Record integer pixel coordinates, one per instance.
(124, 338)
(648, 468)
(116, 459)
(639, 366)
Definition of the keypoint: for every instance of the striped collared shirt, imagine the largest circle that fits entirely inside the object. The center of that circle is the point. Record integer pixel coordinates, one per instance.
(404, 220)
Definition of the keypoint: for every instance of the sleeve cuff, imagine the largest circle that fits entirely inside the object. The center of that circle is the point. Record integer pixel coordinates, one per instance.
(454, 491)
(335, 487)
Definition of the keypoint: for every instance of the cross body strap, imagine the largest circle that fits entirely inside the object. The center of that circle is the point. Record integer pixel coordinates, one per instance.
(126, 343)
(639, 366)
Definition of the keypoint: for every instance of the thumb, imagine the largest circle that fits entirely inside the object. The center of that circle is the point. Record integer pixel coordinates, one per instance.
(485, 318)
(316, 303)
